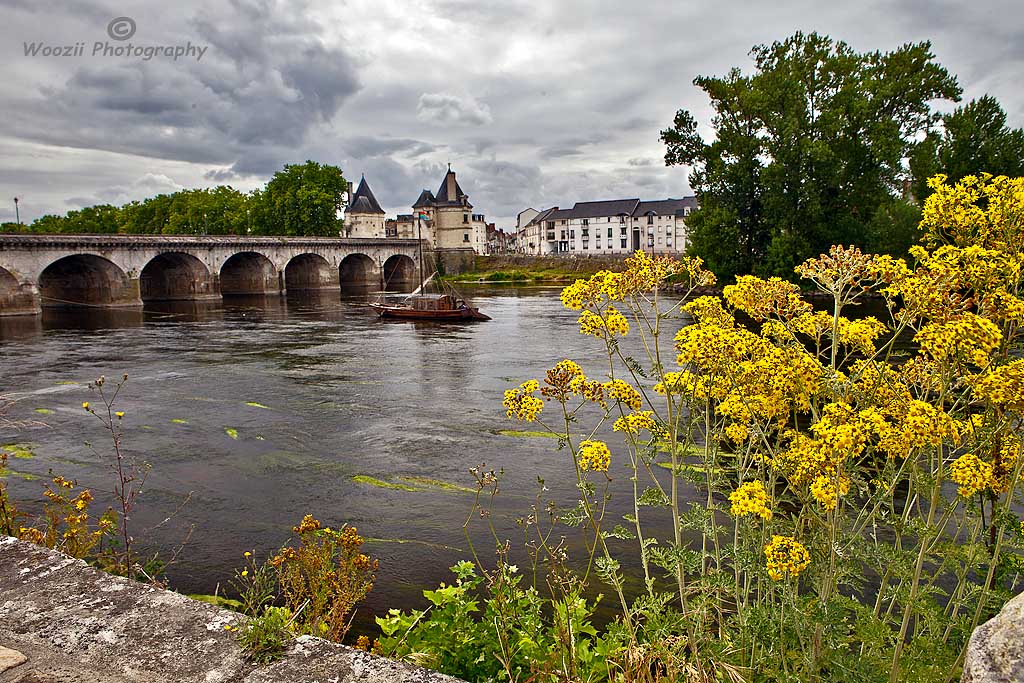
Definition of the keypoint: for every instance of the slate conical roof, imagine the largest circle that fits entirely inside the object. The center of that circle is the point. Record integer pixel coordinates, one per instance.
(426, 198)
(363, 200)
(450, 193)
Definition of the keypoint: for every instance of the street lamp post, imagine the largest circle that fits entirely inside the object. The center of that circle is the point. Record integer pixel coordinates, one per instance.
(17, 213)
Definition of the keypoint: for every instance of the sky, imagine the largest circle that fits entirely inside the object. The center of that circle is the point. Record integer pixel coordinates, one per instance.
(534, 104)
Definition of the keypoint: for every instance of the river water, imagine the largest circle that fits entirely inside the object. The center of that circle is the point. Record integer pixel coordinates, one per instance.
(257, 411)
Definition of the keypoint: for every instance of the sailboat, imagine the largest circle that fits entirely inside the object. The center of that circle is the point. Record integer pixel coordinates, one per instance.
(445, 306)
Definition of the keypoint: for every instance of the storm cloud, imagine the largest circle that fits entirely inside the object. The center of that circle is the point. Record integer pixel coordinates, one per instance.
(532, 103)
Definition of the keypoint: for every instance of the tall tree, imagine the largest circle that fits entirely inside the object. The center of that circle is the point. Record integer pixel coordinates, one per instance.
(974, 139)
(805, 150)
(301, 200)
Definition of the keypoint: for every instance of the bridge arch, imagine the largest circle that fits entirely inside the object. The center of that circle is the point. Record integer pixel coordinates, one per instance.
(86, 280)
(358, 269)
(400, 273)
(175, 275)
(248, 272)
(309, 271)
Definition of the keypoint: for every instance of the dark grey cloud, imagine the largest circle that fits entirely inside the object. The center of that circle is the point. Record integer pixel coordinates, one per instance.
(533, 103)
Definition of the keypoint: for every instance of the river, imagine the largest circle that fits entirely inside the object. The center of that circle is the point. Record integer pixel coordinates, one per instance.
(256, 411)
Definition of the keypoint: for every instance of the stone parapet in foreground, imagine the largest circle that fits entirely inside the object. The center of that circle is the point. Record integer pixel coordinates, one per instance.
(62, 621)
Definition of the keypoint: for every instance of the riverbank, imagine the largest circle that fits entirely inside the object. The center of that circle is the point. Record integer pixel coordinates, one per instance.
(521, 268)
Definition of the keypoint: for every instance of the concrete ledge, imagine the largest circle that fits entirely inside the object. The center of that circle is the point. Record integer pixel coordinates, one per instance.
(76, 624)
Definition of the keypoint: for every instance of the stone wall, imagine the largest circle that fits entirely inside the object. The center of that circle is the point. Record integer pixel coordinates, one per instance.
(62, 621)
(586, 264)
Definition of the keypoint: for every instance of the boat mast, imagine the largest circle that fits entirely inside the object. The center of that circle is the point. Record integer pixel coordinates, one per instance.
(419, 238)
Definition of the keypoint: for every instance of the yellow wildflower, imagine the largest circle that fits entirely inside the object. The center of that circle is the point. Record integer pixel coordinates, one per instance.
(751, 498)
(622, 391)
(634, 422)
(785, 556)
(85, 405)
(521, 404)
(971, 474)
(594, 456)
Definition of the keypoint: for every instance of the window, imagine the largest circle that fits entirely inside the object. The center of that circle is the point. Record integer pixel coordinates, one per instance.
(609, 219)
(597, 243)
(586, 221)
(465, 218)
(586, 232)
(563, 235)
(686, 211)
(572, 234)
(622, 231)
(609, 230)
(650, 219)
(584, 244)
(622, 242)
(465, 237)
(622, 219)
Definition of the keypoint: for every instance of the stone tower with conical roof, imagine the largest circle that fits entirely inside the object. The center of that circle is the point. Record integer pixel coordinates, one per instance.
(363, 215)
(450, 216)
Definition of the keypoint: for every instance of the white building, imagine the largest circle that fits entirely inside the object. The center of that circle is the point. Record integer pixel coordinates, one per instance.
(618, 226)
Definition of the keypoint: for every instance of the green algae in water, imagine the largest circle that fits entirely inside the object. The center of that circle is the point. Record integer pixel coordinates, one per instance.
(179, 421)
(44, 411)
(381, 484)
(527, 434)
(24, 476)
(22, 451)
(232, 432)
(253, 404)
(436, 484)
(67, 383)
(413, 541)
(260, 438)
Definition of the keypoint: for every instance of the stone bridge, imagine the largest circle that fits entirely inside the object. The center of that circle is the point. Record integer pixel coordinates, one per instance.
(126, 270)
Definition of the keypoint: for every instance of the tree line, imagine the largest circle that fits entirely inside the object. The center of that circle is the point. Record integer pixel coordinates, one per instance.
(300, 200)
(823, 145)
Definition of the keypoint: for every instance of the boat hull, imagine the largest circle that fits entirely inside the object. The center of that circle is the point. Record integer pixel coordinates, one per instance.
(409, 313)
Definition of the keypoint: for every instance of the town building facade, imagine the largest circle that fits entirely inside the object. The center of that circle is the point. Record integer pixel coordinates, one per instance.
(618, 226)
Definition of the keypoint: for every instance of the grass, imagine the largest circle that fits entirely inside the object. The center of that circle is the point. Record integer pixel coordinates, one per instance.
(179, 421)
(44, 411)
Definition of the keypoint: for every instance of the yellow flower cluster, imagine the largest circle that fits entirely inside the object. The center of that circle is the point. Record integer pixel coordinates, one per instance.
(521, 404)
(826, 491)
(763, 299)
(978, 210)
(859, 335)
(634, 422)
(1003, 386)
(751, 498)
(967, 337)
(643, 273)
(785, 556)
(594, 456)
(604, 325)
(621, 390)
(971, 474)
